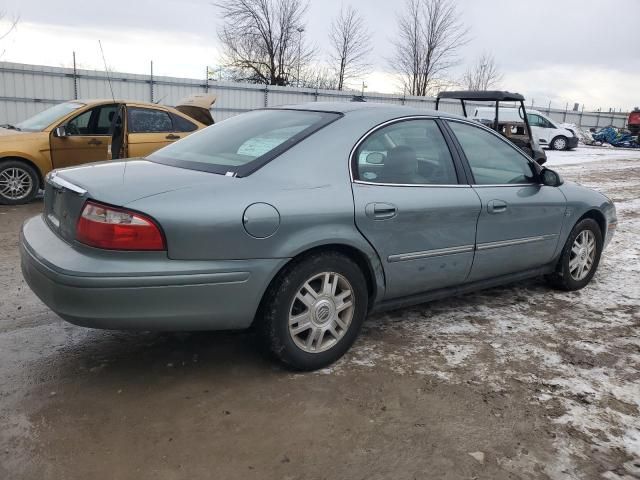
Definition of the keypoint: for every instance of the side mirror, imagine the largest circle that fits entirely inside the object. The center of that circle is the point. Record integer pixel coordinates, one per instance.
(60, 131)
(550, 178)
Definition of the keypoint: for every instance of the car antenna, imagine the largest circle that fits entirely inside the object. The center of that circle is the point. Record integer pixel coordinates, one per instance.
(158, 101)
(107, 71)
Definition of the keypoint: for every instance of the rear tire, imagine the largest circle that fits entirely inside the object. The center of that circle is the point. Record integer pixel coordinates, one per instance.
(559, 143)
(19, 182)
(313, 310)
(579, 258)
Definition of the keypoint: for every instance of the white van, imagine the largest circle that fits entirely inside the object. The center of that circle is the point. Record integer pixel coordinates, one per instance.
(545, 131)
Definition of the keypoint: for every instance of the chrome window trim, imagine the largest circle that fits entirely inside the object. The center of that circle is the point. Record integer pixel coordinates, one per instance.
(438, 252)
(437, 185)
(372, 130)
(507, 185)
(56, 181)
(515, 241)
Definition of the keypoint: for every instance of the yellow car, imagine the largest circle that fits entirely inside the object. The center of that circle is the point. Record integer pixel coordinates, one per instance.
(80, 131)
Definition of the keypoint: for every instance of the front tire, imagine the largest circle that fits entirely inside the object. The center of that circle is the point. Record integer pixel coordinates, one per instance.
(559, 143)
(313, 311)
(579, 258)
(19, 182)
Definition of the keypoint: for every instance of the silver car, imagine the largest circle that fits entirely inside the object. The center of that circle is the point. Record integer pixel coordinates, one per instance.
(301, 220)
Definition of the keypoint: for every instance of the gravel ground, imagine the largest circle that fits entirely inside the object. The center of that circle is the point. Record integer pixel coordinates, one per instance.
(514, 382)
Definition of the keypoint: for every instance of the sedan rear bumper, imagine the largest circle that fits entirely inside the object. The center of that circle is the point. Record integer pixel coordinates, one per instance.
(127, 290)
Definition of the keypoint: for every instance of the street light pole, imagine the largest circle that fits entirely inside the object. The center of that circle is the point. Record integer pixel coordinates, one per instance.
(300, 30)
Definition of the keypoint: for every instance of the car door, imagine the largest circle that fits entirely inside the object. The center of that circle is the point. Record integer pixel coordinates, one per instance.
(412, 207)
(521, 219)
(538, 129)
(86, 137)
(148, 129)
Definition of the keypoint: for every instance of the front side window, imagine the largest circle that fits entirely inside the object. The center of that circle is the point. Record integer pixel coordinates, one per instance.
(534, 120)
(412, 152)
(243, 143)
(546, 123)
(79, 125)
(148, 120)
(96, 121)
(493, 161)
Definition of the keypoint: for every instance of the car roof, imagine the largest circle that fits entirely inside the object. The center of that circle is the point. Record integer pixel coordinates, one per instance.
(487, 95)
(349, 107)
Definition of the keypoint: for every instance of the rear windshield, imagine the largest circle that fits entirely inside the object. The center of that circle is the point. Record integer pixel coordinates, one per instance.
(242, 144)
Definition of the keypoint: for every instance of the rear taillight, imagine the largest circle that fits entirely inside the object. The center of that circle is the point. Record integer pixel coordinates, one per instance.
(113, 228)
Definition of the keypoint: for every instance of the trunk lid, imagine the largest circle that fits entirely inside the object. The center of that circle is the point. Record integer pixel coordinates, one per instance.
(198, 107)
(115, 183)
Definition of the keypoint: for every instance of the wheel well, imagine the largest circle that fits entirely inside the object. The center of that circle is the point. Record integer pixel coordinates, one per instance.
(30, 163)
(353, 253)
(598, 217)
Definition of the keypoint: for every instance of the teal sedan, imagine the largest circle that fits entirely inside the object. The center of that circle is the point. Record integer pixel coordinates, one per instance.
(300, 221)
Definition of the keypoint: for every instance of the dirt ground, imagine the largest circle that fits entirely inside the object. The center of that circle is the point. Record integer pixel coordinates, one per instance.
(519, 382)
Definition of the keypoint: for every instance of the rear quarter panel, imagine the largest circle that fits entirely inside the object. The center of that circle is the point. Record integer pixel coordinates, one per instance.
(309, 185)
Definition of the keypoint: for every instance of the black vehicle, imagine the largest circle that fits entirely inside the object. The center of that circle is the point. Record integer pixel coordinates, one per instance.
(518, 132)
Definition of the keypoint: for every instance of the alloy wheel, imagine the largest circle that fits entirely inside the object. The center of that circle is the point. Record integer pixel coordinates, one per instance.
(321, 312)
(560, 144)
(583, 254)
(15, 183)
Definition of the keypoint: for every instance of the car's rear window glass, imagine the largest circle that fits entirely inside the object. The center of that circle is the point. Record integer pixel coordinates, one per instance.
(241, 144)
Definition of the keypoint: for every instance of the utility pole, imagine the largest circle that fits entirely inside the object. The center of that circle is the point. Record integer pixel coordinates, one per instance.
(151, 83)
(300, 30)
(75, 77)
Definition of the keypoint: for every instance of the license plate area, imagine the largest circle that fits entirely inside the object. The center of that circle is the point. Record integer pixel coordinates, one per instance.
(55, 207)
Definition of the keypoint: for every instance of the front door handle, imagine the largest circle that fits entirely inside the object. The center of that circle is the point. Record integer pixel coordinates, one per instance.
(380, 211)
(171, 136)
(497, 206)
(94, 141)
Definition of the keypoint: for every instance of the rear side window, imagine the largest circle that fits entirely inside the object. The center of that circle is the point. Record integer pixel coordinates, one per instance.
(412, 152)
(147, 120)
(492, 160)
(243, 143)
(181, 124)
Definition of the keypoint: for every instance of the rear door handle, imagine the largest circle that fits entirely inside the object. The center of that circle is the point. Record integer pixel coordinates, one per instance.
(380, 211)
(171, 136)
(94, 141)
(497, 206)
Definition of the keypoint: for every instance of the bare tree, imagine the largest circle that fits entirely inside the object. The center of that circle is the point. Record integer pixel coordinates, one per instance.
(431, 34)
(318, 76)
(11, 24)
(263, 39)
(483, 74)
(350, 46)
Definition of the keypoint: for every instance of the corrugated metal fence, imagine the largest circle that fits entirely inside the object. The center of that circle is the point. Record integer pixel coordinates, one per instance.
(28, 89)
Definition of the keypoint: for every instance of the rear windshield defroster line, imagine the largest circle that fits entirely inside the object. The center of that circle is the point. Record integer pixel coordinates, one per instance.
(236, 132)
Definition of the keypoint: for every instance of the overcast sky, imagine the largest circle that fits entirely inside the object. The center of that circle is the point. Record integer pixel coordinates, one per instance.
(584, 51)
